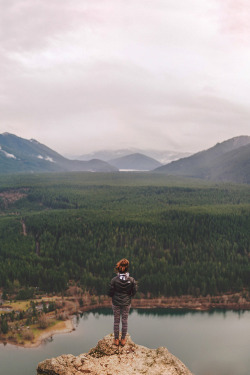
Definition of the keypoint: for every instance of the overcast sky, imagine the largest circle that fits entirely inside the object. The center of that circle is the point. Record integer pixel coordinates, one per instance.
(83, 75)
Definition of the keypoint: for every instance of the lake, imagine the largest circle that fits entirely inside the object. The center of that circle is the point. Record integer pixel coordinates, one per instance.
(209, 343)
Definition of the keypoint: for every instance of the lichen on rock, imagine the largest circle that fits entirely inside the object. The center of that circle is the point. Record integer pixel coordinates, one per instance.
(107, 359)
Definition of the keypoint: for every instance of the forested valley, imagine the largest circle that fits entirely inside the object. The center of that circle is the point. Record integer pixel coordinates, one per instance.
(181, 236)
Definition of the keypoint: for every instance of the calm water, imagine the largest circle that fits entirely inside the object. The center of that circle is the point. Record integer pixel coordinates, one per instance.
(216, 343)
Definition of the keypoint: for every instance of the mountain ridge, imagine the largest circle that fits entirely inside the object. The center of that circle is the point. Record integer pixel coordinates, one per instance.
(204, 164)
(136, 161)
(21, 155)
(160, 155)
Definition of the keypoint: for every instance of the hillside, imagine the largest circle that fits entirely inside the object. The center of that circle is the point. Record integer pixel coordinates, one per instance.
(233, 166)
(21, 155)
(106, 359)
(226, 161)
(136, 161)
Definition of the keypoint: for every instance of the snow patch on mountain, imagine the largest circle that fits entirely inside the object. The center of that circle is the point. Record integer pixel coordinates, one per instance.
(47, 158)
(7, 154)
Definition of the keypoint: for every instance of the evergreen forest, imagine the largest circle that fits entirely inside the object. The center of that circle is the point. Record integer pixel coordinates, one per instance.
(182, 236)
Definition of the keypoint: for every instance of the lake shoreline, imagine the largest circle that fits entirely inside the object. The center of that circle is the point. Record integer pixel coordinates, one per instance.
(233, 302)
(66, 327)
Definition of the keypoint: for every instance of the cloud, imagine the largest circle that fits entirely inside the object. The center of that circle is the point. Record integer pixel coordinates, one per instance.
(234, 19)
(30, 25)
(81, 75)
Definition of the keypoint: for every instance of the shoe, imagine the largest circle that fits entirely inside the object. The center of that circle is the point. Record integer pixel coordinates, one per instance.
(116, 342)
(123, 342)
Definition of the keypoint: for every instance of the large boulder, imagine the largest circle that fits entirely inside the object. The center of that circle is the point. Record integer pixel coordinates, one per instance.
(107, 359)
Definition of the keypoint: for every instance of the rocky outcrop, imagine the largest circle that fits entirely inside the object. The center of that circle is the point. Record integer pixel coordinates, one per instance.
(107, 359)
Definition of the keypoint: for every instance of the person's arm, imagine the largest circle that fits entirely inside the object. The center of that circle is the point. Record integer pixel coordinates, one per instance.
(111, 288)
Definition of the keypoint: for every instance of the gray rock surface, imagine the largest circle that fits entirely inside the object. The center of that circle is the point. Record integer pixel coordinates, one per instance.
(107, 359)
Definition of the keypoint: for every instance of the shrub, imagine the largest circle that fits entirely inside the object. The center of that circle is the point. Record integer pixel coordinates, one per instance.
(24, 294)
(43, 321)
(62, 316)
(27, 334)
(4, 326)
(93, 300)
(12, 338)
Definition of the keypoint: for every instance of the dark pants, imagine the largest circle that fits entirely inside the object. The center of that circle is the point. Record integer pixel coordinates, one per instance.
(118, 312)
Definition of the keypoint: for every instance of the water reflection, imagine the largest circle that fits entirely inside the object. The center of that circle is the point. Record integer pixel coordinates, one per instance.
(209, 342)
(165, 312)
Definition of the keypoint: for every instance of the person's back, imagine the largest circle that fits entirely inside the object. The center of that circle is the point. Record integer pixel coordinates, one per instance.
(122, 287)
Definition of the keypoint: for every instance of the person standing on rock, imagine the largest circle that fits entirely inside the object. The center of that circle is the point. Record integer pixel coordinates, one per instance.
(122, 288)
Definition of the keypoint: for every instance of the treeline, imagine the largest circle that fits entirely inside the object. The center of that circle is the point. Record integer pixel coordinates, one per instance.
(179, 239)
(125, 198)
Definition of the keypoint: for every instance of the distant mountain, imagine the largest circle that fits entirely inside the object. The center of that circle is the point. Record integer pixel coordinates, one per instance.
(21, 155)
(161, 156)
(226, 161)
(136, 161)
(165, 157)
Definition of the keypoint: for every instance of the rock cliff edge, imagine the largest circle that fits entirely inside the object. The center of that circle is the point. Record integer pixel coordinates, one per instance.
(106, 359)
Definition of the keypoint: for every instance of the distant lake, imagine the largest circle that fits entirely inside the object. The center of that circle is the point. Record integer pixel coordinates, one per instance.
(209, 343)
